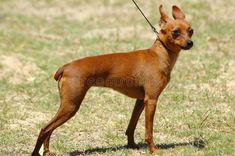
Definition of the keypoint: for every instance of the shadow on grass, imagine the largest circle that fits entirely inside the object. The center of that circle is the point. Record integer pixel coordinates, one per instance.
(198, 143)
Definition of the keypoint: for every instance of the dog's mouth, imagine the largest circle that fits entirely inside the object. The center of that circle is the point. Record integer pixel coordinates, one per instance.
(188, 45)
(185, 47)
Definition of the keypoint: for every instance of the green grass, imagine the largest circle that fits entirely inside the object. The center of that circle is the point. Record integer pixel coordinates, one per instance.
(38, 37)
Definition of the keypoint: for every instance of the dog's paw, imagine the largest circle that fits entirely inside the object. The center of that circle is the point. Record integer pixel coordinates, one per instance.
(153, 150)
(133, 146)
(49, 154)
(36, 154)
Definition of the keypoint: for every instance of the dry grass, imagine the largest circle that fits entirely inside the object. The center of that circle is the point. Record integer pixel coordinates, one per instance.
(36, 37)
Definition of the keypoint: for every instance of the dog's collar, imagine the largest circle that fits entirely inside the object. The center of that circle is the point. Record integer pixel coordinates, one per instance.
(168, 50)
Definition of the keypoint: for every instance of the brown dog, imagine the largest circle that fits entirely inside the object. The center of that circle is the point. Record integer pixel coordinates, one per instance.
(141, 74)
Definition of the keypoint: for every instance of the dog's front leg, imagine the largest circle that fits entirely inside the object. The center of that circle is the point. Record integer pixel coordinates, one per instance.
(150, 107)
(139, 107)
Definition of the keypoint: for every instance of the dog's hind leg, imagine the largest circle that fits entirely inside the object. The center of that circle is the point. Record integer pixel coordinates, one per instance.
(72, 94)
(46, 144)
(139, 106)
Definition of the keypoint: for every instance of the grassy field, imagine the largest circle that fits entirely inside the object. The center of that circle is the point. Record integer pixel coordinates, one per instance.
(37, 37)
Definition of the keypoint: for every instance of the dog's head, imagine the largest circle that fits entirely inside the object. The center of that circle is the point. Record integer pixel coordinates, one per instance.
(175, 33)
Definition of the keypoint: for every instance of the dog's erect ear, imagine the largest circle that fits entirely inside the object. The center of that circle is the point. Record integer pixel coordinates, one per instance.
(177, 13)
(164, 18)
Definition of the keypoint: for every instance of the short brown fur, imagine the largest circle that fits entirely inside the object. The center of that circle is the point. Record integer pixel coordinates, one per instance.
(141, 74)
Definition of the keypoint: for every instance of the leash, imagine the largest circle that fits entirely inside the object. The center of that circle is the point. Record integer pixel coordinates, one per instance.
(152, 27)
(150, 24)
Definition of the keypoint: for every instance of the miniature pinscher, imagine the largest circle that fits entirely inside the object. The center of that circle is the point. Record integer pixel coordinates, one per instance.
(141, 74)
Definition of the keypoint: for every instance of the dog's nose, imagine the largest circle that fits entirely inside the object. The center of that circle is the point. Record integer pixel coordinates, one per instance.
(190, 43)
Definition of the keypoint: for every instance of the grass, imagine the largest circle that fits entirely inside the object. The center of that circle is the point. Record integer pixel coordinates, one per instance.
(37, 37)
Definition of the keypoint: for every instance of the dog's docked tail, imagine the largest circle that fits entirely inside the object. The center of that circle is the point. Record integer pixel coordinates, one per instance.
(59, 73)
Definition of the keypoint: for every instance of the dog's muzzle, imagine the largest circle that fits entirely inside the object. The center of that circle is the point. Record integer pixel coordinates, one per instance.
(188, 45)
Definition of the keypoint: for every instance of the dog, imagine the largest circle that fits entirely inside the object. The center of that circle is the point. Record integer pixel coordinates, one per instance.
(141, 74)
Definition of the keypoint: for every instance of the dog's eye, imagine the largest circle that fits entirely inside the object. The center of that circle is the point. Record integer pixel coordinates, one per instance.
(190, 31)
(176, 33)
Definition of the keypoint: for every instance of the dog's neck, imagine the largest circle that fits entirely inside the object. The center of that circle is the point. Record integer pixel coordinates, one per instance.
(165, 56)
